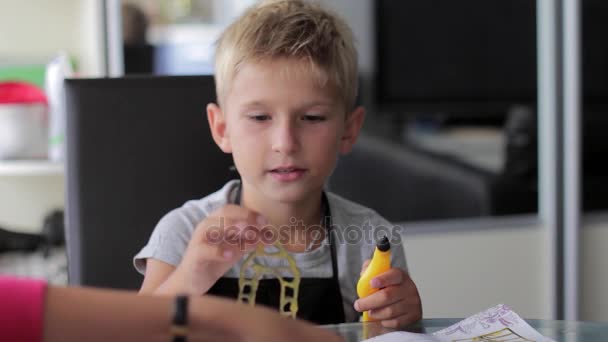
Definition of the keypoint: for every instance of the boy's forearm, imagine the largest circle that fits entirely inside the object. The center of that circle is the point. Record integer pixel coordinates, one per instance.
(174, 285)
(177, 284)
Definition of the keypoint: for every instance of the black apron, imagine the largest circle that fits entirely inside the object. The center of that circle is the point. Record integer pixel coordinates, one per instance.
(319, 299)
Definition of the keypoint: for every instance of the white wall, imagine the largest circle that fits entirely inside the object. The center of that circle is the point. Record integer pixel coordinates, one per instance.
(463, 272)
(594, 271)
(35, 30)
(24, 200)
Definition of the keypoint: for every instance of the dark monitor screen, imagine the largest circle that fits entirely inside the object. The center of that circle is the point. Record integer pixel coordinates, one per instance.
(594, 52)
(474, 54)
(459, 54)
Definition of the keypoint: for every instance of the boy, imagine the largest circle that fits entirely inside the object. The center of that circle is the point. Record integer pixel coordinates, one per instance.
(286, 80)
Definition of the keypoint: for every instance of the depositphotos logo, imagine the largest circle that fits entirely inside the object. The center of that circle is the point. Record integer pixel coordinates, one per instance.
(297, 232)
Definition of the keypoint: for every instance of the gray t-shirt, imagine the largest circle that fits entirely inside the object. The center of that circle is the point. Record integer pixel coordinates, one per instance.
(355, 229)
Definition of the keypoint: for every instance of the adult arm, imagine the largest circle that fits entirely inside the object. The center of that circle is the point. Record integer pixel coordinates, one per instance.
(81, 314)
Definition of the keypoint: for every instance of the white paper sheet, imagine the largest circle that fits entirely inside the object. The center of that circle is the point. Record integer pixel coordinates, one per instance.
(499, 323)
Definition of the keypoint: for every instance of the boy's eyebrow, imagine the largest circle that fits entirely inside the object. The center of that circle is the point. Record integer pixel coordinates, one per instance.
(314, 103)
(254, 103)
(318, 104)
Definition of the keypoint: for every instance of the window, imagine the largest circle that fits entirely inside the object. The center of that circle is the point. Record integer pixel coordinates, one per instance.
(174, 37)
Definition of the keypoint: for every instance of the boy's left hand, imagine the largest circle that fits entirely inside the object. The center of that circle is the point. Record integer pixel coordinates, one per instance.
(396, 304)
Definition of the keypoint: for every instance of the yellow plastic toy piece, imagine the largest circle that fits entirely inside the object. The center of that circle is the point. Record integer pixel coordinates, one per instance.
(249, 287)
(381, 262)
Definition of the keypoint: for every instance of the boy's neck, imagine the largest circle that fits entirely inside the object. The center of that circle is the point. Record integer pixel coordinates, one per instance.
(305, 213)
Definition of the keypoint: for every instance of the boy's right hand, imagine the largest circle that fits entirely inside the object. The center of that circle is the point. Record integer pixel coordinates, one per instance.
(217, 243)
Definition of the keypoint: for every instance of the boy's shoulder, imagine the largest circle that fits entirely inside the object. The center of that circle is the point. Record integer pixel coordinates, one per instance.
(356, 229)
(345, 212)
(208, 204)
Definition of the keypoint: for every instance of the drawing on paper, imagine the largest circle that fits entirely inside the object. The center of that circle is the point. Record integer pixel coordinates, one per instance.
(505, 334)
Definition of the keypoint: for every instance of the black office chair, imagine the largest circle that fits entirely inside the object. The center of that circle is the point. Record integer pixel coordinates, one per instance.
(137, 147)
(405, 183)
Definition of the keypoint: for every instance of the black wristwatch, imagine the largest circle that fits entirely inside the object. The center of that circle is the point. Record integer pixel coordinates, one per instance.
(179, 323)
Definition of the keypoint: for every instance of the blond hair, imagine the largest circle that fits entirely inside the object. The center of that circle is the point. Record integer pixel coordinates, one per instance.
(295, 29)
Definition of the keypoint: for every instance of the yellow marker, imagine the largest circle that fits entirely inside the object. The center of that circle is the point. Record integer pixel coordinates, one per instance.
(381, 262)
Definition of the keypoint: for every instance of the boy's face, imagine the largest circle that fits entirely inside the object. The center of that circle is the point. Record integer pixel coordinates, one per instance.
(283, 130)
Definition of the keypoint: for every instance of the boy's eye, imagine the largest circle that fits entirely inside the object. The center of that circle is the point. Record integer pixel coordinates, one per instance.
(314, 118)
(259, 117)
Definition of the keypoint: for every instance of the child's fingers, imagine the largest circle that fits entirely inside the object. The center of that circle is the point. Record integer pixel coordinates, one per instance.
(228, 233)
(395, 310)
(245, 235)
(402, 313)
(218, 252)
(401, 321)
(239, 213)
(380, 299)
(231, 224)
(394, 276)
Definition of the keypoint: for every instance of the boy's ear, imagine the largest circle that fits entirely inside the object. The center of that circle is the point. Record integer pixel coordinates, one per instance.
(353, 125)
(217, 124)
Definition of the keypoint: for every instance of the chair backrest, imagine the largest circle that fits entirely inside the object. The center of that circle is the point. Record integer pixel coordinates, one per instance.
(137, 147)
(404, 183)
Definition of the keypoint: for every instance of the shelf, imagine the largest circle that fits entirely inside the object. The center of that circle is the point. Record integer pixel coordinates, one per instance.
(30, 168)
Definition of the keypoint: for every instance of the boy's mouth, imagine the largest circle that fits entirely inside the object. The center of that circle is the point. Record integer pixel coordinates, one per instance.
(286, 169)
(287, 173)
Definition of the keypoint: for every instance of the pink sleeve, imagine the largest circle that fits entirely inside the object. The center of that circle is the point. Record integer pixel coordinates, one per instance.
(21, 309)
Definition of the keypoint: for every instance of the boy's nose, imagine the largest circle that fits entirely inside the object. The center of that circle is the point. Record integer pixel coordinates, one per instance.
(285, 138)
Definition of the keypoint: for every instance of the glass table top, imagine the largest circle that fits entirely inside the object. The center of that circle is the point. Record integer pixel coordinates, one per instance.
(557, 330)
